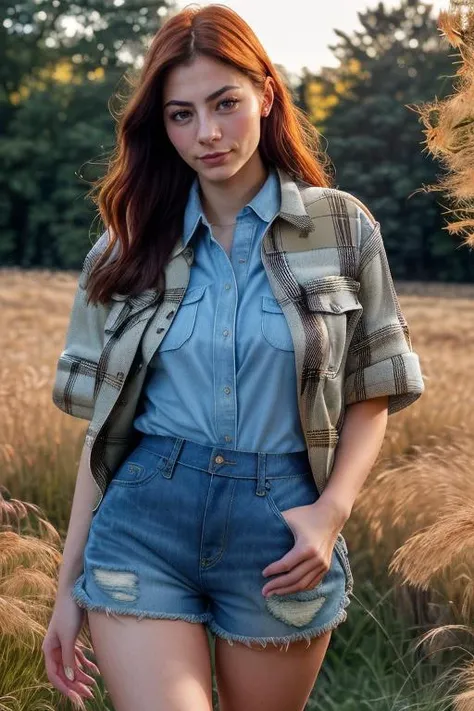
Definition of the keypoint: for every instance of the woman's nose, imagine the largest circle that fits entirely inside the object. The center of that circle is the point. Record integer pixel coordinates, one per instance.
(208, 130)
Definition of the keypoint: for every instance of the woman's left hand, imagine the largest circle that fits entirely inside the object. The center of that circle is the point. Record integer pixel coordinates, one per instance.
(316, 528)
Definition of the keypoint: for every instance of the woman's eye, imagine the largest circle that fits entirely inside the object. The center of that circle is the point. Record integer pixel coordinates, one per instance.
(230, 102)
(174, 116)
(180, 116)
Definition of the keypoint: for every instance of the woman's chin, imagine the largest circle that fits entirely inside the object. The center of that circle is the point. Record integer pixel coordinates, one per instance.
(218, 172)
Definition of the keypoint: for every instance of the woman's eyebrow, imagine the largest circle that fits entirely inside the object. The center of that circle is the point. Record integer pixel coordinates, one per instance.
(214, 95)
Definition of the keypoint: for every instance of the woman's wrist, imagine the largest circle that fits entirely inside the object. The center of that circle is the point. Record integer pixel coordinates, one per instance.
(339, 510)
(67, 578)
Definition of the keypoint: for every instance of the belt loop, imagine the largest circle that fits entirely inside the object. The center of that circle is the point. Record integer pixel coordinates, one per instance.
(169, 468)
(261, 474)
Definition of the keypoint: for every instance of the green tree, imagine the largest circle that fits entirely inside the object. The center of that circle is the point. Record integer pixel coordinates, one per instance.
(61, 64)
(375, 140)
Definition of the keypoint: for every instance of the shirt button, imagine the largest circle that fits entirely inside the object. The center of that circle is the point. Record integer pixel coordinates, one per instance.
(219, 459)
(242, 261)
(227, 438)
(227, 287)
(227, 390)
(225, 332)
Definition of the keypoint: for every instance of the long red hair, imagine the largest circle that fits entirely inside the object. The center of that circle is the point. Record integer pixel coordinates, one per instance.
(142, 197)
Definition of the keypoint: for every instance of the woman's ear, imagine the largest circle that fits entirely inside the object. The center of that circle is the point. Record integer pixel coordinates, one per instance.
(268, 95)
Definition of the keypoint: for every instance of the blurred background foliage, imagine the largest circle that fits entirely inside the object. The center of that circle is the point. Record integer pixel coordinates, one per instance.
(63, 65)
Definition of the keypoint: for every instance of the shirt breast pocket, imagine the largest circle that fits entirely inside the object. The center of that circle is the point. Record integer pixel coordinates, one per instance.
(184, 321)
(275, 327)
(331, 312)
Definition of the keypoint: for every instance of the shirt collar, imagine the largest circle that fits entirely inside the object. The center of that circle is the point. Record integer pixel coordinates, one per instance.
(292, 208)
(265, 204)
(193, 214)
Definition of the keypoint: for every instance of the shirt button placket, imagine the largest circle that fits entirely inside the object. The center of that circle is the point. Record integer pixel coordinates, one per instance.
(226, 413)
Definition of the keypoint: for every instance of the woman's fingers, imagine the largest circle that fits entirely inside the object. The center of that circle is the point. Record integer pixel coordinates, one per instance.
(306, 583)
(76, 686)
(87, 662)
(297, 579)
(61, 684)
(84, 678)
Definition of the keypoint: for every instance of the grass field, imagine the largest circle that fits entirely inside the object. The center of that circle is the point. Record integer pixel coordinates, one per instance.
(410, 536)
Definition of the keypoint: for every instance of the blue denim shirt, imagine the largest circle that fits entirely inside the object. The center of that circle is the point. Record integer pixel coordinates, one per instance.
(224, 375)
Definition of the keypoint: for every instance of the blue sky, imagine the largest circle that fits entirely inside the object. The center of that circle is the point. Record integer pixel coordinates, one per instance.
(299, 36)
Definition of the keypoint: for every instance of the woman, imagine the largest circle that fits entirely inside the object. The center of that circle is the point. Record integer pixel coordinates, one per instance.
(236, 312)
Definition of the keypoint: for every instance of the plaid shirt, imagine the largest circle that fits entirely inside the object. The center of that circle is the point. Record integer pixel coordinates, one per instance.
(326, 264)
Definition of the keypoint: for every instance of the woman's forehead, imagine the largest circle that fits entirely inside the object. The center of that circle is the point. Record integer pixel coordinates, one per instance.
(200, 78)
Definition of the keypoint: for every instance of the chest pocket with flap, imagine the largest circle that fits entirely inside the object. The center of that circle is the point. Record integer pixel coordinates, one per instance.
(275, 328)
(184, 321)
(333, 302)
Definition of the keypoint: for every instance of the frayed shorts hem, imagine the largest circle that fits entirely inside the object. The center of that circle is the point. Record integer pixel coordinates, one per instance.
(278, 641)
(84, 602)
(283, 642)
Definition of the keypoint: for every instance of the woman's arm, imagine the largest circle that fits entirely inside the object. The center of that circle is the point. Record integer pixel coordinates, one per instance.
(85, 495)
(359, 444)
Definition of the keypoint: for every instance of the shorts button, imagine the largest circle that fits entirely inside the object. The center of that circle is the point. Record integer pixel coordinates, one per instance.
(219, 459)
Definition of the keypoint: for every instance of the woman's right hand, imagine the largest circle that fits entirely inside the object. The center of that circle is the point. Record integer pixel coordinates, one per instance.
(61, 650)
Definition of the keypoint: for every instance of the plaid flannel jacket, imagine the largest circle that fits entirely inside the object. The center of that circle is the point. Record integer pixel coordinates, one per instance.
(351, 339)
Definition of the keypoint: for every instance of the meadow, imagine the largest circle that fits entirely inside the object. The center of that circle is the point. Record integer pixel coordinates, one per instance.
(408, 642)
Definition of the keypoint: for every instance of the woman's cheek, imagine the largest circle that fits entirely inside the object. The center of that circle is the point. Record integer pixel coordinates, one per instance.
(180, 141)
(246, 127)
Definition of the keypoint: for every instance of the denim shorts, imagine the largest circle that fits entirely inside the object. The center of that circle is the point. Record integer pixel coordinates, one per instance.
(184, 531)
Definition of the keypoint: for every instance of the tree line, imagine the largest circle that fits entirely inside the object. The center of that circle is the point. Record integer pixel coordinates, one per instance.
(64, 65)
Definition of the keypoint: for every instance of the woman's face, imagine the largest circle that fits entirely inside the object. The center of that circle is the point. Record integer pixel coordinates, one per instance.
(210, 107)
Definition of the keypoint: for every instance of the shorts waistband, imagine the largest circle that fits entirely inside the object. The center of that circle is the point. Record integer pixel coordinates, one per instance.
(227, 462)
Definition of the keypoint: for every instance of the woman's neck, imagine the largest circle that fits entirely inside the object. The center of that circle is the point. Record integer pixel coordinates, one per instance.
(222, 201)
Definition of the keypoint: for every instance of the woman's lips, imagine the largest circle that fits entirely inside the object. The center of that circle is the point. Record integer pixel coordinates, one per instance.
(216, 158)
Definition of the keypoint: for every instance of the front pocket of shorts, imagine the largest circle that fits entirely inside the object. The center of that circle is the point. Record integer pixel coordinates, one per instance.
(140, 467)
(289, 492)
(295, 492)
(340, 548)
(279, 515)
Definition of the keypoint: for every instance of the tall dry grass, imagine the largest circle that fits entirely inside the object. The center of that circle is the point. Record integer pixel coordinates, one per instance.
(39, 456)
(450, 123)
(39, 447)
(439, 552)
(30, 556)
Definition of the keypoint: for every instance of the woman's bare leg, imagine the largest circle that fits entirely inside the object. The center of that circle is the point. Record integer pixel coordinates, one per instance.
(153, 664)
(266, 678)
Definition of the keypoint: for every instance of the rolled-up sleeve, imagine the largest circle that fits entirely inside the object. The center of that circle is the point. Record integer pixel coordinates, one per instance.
(380, 360)
(75, 378)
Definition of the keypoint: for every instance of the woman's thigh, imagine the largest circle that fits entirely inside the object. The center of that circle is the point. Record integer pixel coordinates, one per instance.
(268, 679)
(153, 663)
